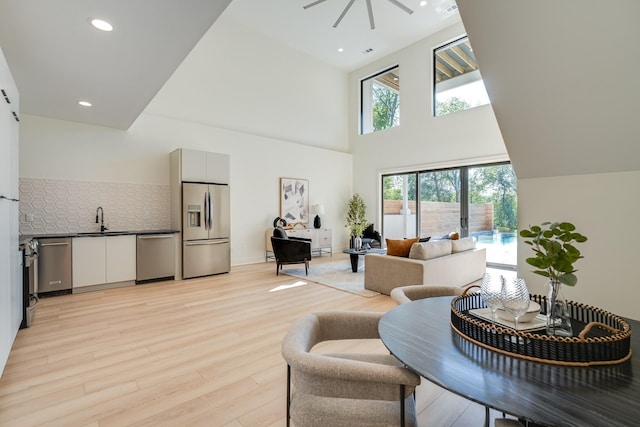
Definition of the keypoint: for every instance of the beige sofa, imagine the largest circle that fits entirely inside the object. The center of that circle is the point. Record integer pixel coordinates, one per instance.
(441, 262)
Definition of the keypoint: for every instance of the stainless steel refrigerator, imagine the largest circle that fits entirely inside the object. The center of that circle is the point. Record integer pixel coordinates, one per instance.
(205, 229)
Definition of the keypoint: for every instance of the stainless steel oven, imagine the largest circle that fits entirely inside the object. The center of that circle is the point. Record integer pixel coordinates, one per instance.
(29, 251)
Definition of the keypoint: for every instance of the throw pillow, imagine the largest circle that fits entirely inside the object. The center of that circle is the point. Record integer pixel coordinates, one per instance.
(464, 244)
(400, 247)
(430, 250)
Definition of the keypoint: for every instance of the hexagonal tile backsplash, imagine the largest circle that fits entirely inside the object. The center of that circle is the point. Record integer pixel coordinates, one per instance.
(61, 206)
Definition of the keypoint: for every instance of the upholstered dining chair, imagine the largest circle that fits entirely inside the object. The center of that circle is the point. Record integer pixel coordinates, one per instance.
(405, 294)
(290, 250)
(344, 389)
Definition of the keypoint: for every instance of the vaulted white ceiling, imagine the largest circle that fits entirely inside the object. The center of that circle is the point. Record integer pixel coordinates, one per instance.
(563, 81)
(57, 58)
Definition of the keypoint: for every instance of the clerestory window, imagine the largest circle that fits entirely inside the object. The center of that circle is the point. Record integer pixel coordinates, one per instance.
(457, 81)
(380, 101)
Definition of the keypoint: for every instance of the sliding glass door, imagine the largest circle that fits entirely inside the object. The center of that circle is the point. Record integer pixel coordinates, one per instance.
(493, 217)
(440, 206)
(399, 206)
(479, 201)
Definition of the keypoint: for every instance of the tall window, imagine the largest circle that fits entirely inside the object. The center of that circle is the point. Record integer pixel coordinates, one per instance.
(457, 81)
(479, 201)
(380, 101)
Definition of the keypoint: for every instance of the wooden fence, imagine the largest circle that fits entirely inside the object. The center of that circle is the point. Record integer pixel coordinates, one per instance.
(440, 218)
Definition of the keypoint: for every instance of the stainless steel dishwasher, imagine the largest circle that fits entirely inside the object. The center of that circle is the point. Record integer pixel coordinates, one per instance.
(54, 265)
(155, 257)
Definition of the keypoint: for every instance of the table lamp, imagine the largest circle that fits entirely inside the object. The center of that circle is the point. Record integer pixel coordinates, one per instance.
(318, 210)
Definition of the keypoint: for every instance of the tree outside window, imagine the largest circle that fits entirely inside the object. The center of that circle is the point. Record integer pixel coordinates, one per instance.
(380, 101)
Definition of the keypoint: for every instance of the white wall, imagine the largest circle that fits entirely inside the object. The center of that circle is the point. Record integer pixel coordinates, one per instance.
(65, 150)
(421, 140)
(238, 79)
(604, 208)
(277, 113)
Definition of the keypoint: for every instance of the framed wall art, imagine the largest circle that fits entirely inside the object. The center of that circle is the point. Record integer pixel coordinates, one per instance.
(294, 200)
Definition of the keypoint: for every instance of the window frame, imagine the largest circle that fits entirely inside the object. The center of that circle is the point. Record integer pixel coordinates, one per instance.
(362, 100)
(468, 79)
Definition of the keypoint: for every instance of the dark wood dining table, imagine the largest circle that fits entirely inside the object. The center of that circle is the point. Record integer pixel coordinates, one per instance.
(419, 334)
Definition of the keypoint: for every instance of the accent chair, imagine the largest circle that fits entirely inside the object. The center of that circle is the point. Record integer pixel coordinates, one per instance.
(290, 250)
(345, 389)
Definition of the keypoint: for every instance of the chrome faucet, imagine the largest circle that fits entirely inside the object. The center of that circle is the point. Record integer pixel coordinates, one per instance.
(100, 219)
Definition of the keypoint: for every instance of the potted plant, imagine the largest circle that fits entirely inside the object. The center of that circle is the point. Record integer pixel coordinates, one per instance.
(356, 222)
(554, 256)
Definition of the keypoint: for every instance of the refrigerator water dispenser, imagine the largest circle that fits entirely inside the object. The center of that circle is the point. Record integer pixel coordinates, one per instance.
(193, 215)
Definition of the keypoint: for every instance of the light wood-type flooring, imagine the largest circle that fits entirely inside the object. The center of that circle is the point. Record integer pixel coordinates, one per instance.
(202, 352)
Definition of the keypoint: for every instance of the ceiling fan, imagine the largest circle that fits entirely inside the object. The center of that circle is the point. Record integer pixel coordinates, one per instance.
(369, 10)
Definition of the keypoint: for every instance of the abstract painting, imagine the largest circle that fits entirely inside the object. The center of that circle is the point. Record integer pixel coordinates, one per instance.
(294, 200)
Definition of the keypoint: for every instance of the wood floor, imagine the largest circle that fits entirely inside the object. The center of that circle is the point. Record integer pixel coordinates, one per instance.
(195, 352)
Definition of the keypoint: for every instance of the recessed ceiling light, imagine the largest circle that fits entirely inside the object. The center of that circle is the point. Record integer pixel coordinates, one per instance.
(84, 103)
(423, 3)
(340, 50)
(101, 24)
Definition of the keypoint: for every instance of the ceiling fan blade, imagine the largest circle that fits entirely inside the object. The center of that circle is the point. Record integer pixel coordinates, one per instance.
(370, 11)
(344, 12)
(313, 4)
(401, 6)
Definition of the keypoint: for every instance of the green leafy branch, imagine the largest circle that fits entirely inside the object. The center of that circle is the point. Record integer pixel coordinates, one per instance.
(554, 251)
(356, 211)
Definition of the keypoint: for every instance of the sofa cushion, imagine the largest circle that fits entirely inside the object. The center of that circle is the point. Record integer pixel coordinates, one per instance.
(464, 244)
(430, 250)
(400, 247)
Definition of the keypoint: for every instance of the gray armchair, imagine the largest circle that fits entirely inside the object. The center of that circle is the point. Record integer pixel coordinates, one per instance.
(405, 294)
(344, 389)
(290, 250)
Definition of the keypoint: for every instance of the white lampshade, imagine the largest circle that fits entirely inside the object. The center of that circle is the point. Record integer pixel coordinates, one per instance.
(317, 209)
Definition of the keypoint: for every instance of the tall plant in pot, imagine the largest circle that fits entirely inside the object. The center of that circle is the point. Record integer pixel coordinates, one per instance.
(554, 256)
(356, 222)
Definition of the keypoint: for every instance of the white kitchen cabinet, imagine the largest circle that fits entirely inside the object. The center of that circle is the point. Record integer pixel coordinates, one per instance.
(11, 303)
(88, 255)
(202, 166)
(101, 260)
(121, 258)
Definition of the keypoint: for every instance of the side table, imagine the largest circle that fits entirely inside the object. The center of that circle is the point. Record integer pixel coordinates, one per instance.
(354, 254)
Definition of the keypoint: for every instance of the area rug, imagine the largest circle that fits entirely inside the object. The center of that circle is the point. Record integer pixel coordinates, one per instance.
(336, 274)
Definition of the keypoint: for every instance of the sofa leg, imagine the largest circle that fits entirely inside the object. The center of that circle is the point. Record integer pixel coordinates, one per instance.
(277, 268)
(306, 268)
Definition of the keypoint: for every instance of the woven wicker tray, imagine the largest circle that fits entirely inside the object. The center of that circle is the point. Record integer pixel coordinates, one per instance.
(602, 338)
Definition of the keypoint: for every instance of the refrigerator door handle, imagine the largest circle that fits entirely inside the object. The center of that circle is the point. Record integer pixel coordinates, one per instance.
(206, 211)
(210, 213)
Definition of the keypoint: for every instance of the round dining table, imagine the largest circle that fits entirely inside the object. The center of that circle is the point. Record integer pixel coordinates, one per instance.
(419, 334)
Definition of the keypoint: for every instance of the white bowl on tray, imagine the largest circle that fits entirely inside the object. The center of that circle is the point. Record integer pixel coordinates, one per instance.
(532, 312)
